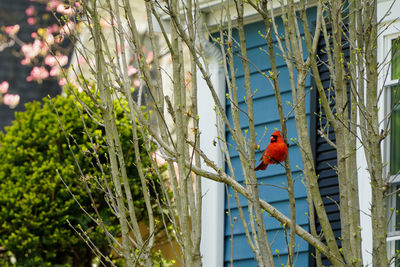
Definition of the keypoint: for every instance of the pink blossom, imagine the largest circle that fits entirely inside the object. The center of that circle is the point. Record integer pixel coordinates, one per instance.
(30, 11)
(12, 30)
(55, 71)
(49, 39)
(59, 39)
(11, 100)
(53, 4)
(4, 87)
(150, 57)
(62, 81)
(34, 34)
(53, 28)
(31, 50)
(115, 23)
(136, 83)
(67, 28)
(25, 61)
(62, 9)
(38, 74)
(81, 60)
(31, 20)
(132, 70)
(52, 61)
(43, 47)
(126, 46)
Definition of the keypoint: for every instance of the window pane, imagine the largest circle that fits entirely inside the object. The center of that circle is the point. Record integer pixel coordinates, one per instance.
(394, 224)
(395, 132)
(396, 59)
(397, 211)
(397, 225)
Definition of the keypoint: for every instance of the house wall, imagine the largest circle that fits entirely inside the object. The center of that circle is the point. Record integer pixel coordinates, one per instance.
(266, 115)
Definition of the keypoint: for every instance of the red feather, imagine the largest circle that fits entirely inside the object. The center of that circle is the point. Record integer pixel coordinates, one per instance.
(275, 152)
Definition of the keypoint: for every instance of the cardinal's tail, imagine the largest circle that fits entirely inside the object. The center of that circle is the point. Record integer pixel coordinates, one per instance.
(262, 166)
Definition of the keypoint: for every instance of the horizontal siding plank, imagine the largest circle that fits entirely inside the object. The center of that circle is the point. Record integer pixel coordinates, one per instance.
(263, 86)
(265, 107)
(233, 219)
(272, 193)
(276, 238)
(301, 259)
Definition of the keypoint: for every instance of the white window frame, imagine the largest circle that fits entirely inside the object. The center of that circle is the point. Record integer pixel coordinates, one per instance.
(386, 83)
(388, 28)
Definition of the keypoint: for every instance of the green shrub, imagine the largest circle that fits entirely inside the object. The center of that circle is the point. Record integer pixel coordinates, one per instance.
(35, 206)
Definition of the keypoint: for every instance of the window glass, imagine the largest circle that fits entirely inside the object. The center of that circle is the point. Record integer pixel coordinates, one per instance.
(394, 225)
(397, 225)
(396, 59)
(395, 131)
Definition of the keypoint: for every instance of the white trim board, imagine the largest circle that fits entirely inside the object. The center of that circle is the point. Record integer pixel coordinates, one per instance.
(213, 201)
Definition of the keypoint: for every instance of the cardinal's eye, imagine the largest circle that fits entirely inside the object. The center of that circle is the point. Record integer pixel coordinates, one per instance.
(275, 136)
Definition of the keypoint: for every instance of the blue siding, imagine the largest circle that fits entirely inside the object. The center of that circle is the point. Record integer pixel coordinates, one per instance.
(266, 115)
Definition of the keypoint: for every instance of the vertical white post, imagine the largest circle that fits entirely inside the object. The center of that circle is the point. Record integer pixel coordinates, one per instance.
(212, 236)
(365, 198)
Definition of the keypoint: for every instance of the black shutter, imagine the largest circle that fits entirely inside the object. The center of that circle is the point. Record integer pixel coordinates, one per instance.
(324, 154)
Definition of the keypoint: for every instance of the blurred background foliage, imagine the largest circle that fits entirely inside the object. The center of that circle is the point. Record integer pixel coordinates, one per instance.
(36, 208)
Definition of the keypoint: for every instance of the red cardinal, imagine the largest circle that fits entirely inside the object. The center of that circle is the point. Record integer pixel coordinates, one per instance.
(275, 152)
